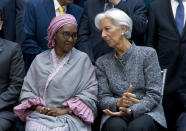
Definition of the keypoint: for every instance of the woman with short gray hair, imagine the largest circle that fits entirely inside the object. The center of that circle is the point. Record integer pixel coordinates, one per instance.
(119, 18)
(129, 79)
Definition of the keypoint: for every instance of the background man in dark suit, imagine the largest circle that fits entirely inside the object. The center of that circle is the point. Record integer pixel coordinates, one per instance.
(80, 2)
(90, 40)
(37, 18)
(13, 11)
(164, 36)
(147, 2)
(11, 79)
(180, 123)
(9, 14)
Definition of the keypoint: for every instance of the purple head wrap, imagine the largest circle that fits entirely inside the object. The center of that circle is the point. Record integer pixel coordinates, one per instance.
(56, 23)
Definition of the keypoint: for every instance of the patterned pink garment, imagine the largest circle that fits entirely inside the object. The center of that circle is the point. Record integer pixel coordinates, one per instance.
(80, 109)
(76, 105)
(22, 110)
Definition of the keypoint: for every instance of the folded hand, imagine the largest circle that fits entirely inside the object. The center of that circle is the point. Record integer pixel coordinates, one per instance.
(123, 112)
(52, 111)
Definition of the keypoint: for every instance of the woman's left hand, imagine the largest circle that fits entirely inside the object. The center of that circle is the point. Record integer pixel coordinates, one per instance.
(53, 111)
(126, 111)
(108, 112)
(123, 112)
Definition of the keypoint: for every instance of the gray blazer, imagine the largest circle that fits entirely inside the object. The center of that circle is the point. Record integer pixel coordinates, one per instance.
(139, 67)
(11, 77)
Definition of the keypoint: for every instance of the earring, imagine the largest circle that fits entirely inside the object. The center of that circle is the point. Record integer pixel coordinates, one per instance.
(122, 33)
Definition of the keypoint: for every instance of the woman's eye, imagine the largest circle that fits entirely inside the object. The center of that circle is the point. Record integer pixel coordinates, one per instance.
(107, 28)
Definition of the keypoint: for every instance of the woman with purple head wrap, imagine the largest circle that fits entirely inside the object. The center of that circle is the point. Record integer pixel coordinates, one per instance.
(60, 88)
(57, 23)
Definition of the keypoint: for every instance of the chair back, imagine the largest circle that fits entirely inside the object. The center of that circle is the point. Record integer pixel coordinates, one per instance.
(163, 75)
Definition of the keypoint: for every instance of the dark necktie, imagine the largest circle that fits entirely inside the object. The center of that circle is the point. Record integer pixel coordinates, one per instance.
(180, 17)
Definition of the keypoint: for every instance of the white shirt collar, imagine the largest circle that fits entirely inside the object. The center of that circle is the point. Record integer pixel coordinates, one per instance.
(57, 5)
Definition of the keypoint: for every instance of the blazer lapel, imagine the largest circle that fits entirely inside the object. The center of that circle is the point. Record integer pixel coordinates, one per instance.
(49, 7)
(184, 30)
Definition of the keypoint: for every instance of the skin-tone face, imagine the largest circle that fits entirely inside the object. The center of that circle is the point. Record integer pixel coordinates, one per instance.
(65, 39)
(111, 33)
(65, 2)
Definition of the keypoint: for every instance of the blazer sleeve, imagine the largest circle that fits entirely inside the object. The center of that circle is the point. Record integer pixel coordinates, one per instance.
(83, 43)
(151, 30)
(137, 12)
(153, 85)
(106, 100)
(16, 75)
(20, 12)
(29, 43)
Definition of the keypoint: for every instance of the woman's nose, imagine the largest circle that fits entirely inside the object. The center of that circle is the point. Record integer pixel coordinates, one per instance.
(103, 34)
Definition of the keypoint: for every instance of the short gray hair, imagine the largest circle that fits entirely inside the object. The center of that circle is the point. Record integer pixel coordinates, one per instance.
(119, 18)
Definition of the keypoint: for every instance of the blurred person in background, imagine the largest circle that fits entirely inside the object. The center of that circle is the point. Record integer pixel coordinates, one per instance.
(166, 33)
(13, 12)
(11, 79)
